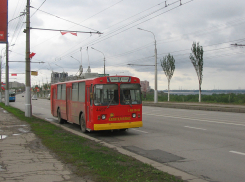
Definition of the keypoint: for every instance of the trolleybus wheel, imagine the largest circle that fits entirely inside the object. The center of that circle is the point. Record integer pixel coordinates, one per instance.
(61, 121)
(82, 124)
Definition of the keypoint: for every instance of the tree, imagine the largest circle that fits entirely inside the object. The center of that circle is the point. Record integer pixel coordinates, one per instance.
(168, 66)
(196, 58)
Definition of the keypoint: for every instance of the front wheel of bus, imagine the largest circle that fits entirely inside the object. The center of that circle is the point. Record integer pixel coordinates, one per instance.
(60, 120)
(82, 124)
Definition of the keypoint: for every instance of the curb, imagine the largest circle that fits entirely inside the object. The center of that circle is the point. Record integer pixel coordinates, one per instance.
(164, 168)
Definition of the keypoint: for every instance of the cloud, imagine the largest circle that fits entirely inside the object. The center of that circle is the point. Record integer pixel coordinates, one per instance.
(207, 22)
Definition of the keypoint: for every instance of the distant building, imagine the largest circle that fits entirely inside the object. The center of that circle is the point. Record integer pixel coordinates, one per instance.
(62, 77)
(16, 84)
(145, 86)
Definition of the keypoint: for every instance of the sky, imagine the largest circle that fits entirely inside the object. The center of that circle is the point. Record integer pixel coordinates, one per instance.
(174, 24)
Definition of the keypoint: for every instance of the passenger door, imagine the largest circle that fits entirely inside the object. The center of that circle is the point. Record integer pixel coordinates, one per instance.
(68, 104)
(54, 102)
(87, 105)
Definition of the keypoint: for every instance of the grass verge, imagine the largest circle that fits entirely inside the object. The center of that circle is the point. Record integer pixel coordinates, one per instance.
(89, 158)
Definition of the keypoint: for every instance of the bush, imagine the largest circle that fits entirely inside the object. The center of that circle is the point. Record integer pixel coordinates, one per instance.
(214, 98)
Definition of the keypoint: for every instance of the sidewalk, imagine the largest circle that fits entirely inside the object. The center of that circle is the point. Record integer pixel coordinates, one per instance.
(199, 106)
(24, 158)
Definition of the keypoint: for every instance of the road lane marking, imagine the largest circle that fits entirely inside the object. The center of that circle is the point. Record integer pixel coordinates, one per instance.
(195, 128)
(235, 152)
(140, 131)
(219, 122)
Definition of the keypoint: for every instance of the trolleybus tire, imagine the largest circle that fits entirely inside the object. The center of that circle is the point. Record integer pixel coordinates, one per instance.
(82, 124)
(60, 120)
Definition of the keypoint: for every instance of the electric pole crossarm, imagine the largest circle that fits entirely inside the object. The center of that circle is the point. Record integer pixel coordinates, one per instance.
(241, 45)
(67, 30)
(139, 65)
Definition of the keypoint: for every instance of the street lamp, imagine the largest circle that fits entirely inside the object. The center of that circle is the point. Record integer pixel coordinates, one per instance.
(155, 91)
(81, 67)
(104, 57)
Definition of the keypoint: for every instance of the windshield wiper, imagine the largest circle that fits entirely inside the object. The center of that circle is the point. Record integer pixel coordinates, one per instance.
(110, 102)
(127, 101)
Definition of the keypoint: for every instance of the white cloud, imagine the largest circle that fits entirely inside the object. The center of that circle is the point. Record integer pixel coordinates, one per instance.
(207, 22)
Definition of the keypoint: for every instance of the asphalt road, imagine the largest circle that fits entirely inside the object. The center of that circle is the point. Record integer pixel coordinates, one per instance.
(206, 144)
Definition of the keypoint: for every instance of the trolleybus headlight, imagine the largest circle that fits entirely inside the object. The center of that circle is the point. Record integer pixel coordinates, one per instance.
(103, 117)
(134, 115)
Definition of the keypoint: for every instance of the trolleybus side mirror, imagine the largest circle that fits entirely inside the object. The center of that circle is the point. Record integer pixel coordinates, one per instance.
(92, 96)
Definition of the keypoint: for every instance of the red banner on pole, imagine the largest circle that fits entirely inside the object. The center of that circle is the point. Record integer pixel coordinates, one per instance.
(3, 21)
(63, 33)
(31, 55)
(13, 74)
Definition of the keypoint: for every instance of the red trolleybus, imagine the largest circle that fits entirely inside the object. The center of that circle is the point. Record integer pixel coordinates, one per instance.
(104, 103)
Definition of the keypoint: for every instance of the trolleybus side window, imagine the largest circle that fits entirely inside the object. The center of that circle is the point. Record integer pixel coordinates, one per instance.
(63, 92)
(81, 92)
(59, 92)
(106, 94)
(74, 92)
(130, 94)
(91, 94)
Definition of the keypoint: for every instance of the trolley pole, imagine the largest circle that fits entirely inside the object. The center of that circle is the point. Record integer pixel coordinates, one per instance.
(28, 106)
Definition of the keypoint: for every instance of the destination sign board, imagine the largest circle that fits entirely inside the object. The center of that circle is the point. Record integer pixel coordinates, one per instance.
(118, 79)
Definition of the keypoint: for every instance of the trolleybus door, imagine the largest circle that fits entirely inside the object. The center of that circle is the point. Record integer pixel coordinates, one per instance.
(88, 105)
(68, 104)
(54, 102)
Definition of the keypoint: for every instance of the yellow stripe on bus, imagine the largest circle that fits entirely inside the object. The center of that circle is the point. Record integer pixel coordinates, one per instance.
(114, 126)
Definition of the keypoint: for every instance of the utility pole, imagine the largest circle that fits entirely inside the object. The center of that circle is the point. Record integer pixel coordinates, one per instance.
(28, 106)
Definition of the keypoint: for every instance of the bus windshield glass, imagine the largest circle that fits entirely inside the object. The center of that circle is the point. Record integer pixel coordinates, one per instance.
(105, 95)
(130, 94)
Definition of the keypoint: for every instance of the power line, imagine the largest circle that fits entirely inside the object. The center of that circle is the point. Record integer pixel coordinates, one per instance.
(66, 20)
(38, 8)
(107, 36)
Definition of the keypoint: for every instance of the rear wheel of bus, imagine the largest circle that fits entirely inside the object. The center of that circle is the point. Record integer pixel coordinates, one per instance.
(60, 120)
(82, 124)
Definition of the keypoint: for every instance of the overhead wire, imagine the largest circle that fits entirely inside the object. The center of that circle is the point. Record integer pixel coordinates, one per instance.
(38, 8)
(107, 36)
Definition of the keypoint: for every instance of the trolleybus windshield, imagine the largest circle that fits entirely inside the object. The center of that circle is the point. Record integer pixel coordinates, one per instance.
(130, 94)
(105, 95)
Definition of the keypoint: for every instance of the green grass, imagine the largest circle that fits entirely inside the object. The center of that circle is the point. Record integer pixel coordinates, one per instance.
(89, 158)
(214, 98)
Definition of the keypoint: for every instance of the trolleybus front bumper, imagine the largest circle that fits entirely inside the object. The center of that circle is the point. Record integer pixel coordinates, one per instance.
(115, 126)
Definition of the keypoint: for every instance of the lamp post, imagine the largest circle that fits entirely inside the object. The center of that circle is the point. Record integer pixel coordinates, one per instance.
(103, 55)
(155, 91)
(1, 78)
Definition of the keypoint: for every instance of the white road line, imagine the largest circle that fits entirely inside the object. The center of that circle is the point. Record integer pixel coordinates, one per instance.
(194, 119)
(235, 152)
(140, 131)
(195, 128)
